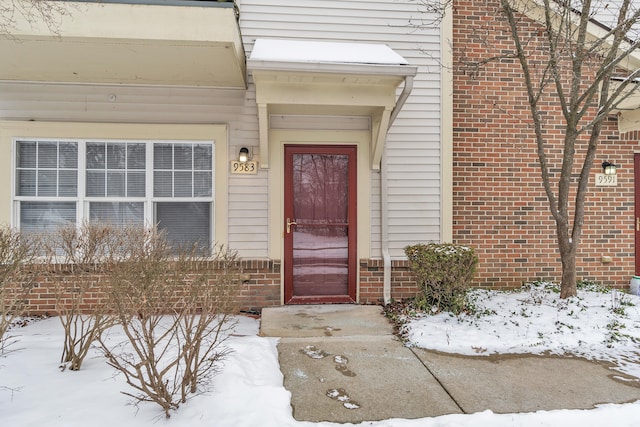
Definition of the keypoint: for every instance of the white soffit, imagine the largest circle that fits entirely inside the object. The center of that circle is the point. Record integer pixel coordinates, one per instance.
(628, 108)
(320, 78)
(110, 42)
(604, 16)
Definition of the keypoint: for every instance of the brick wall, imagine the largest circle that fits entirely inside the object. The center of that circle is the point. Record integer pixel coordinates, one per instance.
(260, 286)
(500, 207)
(403, 282)
(263, 287)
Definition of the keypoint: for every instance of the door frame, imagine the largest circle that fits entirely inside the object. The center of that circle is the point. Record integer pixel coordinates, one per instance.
(277, 140)
(352, 239)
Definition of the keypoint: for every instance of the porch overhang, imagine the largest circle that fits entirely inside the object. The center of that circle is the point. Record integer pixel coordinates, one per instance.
(599, 29)
(628, 109)
(155, 42)
(329, 78)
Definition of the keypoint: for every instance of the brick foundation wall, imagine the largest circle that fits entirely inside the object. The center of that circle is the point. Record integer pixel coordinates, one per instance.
(263, 287)
(403, 282)
(260, 289)
(260, 286)
(500, 207)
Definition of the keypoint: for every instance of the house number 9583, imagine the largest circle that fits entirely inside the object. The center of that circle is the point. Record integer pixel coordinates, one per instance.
(244, 168)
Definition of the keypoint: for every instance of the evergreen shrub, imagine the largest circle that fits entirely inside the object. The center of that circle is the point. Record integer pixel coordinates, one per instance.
(443, 273)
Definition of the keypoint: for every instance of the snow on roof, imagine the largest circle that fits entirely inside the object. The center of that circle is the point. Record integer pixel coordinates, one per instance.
(331, 52)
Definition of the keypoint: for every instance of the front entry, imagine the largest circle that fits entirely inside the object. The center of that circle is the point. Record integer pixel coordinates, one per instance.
(320, 258)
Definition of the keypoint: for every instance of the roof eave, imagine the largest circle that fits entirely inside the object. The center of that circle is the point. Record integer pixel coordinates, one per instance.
(397, 70)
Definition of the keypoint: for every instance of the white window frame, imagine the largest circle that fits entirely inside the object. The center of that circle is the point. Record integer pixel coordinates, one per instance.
(83, 202)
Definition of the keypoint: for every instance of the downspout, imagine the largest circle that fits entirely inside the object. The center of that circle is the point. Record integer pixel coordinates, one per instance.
(384, 190)
(406, 91)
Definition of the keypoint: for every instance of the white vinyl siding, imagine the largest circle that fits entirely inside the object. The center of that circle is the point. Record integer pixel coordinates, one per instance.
(413, 143)
(247, 195)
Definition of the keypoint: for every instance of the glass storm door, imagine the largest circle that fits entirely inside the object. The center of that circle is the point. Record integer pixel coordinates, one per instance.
(320, 224)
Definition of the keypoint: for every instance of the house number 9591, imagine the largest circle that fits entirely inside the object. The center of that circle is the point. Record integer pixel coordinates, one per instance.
(244, 168)
(603, 180)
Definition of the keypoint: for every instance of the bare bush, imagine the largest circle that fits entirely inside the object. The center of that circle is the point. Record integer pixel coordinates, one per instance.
(86, 256)
(18, 273)
(206, 316)
(174, 311)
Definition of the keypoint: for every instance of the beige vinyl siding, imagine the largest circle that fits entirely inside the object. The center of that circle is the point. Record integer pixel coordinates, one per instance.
(247, 195)
(413, 144)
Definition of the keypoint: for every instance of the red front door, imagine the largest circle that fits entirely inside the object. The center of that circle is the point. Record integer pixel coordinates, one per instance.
(320, 224)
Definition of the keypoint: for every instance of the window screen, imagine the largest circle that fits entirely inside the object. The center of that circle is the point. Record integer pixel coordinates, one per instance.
(114, 177)
(182, 170)
(115, 169)
(47, 169)
(118, 213)
(186, 224)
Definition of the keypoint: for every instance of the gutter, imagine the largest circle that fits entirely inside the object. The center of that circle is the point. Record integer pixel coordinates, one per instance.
(391, 70)
(197, 3)
(384, 191)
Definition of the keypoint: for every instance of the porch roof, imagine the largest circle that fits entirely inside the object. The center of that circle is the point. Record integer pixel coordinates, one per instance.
(325, 78)
(127, 42)
(628, 108)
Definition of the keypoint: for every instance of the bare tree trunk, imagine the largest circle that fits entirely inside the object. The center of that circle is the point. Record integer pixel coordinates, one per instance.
(568, 285)
(567, 245)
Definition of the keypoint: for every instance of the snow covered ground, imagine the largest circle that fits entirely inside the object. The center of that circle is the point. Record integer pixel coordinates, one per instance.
(249, 391)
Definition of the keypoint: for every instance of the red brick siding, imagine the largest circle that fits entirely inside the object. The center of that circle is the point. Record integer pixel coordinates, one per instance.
(260, 287)
(403, 282)
(263, 287)
(500, 207)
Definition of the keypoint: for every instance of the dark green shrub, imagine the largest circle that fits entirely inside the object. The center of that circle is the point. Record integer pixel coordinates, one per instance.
(443, 273)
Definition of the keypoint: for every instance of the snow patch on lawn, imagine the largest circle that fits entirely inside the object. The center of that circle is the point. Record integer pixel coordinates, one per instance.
(598, 324)
(249, 390)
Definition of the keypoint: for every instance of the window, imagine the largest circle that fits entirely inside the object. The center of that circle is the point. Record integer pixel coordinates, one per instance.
(169, 183)
(47, 179)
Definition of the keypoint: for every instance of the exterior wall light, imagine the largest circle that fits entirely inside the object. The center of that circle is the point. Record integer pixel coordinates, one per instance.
(609, 168)
(243, 155)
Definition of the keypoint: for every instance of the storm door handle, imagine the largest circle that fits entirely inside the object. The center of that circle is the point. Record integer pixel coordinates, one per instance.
(290, 223)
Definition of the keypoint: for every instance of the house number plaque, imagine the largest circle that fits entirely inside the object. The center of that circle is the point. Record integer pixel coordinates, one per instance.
(603, 180)
(244, 168)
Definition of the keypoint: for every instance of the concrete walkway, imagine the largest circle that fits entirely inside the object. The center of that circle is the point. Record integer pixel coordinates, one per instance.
(342, 363)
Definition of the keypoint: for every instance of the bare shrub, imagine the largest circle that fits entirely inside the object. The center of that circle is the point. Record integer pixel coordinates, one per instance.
(174, 311)
(86, 256)
(18, 273)
(206, 316)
